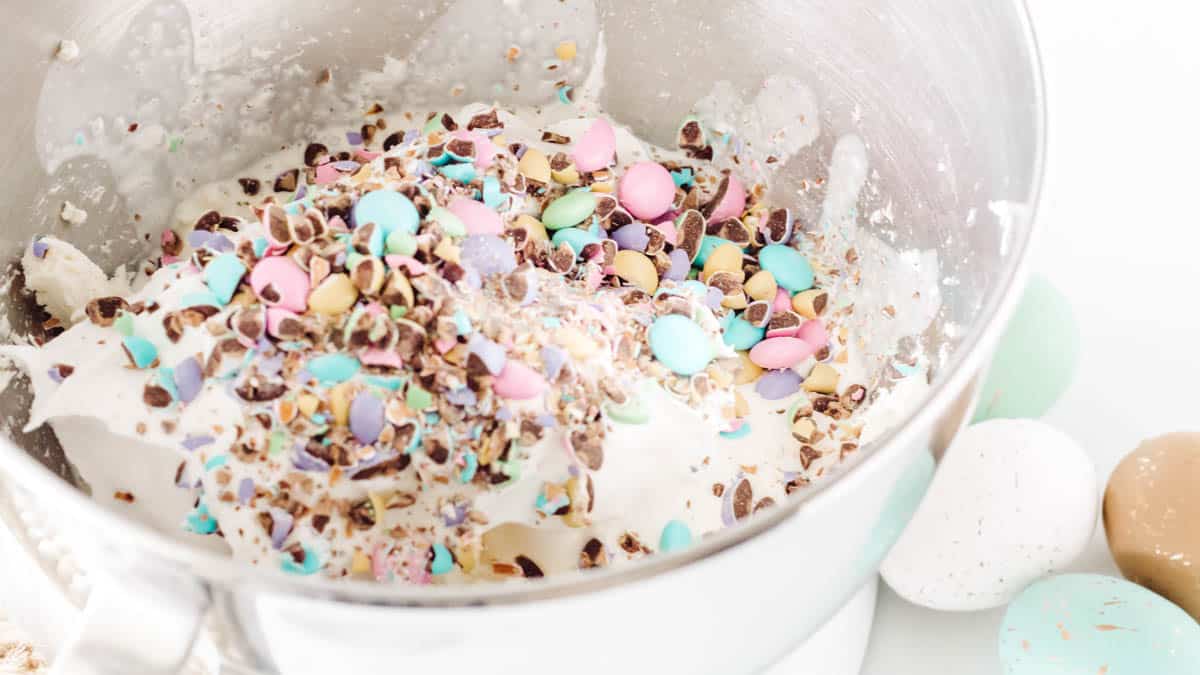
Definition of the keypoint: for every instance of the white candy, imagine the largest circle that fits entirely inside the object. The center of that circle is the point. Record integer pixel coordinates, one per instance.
(1012, 501)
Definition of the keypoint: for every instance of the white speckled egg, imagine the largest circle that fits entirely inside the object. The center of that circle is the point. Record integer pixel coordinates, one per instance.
(1012, 501)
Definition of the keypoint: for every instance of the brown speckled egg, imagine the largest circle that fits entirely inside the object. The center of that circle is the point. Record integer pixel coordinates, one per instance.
(1152, 517)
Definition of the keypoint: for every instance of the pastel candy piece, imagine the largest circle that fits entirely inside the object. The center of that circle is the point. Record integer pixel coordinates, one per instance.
(1096, 625)
(992, 474)
(743, 335)
(327, 174)
(675, 537)
(403, 243)
(783, 300)
(1036, 358)
(597, 147)
(335, 295)
(790, 268)
(189, 379)
(518, 382)
(731, 200)
(680, 344)
(390, 211)
(476, 217)
(275, 317)
(777, 385)
(780, 352)
(666, 225)
(708, 244)
(381, 357)
(492, 197)
(279, 282)
(635, 268)
(485, 149)
(333, 368)
(366, 417)
(679, 265)
(813, 332)
(488, 254)
(569, 210)
(575, 238)
(141, 352)
(463, 173)
(646, 190)
(632, 236)
(222, 274)
(443, 562)
(535, 165)
(1151, 511)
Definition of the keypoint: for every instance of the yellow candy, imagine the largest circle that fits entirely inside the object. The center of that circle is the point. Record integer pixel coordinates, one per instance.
(823, 379)
(724, 258)
(534, 165)
(804, 429)
(811, 303)
(379, 502)
(605, 186)
(336, 295)
(567, 175)
(762, 286)
(635, 268)
(535, 228)
(579, 345)
(467, 557)
(339, 403)
(735, 301)
(360, 564)
(307, 404)
(447, 251)
(748, 371)
(566, 50)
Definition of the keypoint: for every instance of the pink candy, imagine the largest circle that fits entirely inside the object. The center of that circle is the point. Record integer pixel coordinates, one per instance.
(647, 190)
(813, 332)
(381, 357)
(275, 316)
(366, 155)
(485, 149)
(443, 346)
(596, 149)
(732, 204)
(478, 218)
(780, 352)
(415, 267)
(518, 382)
(326, 174)
(783, 301)
(667, 227)
(289, 284)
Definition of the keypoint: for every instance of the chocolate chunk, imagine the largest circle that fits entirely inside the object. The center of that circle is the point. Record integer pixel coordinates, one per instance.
(808, 455)
(593, 555)
(448, 123)
(784, 320)
(743, 498)
(319, 521)
(259, 391)
(250, 186)
(589, 448)
(388, 468)
(487, 120)
(332, 454)
(764, 503)
(691, 135)
(393, 140)
(437, 452)
(171, 243)
(562, 259)
(104, 311)
(690, 228)
(557, 139)
(315, 154)
(529, 568)
(362, 515)
(287, 181)
(208, 222)
(156, 397)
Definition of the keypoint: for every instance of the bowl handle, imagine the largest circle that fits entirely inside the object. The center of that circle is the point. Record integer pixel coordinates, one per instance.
(136, 621)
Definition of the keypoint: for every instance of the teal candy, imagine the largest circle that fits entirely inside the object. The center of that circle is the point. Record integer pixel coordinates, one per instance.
(680, 344)
(675, 537)
(742, 335)
(443, 159)
(791, 269)
(200, 520)
(707, 245)
(311, 564)
(741, 432)
(333, 368)
(1084, 624)
(463, 173)
(204, 298)
(1036, 358)
(451, 224)
(260, 246)
(569, 210)
(390, 211)
(575, 238)
(223, 274)
(443, 562)
(142, 351)
(492, 196)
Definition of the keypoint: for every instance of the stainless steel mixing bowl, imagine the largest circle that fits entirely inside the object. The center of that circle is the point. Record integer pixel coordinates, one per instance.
(946, 94)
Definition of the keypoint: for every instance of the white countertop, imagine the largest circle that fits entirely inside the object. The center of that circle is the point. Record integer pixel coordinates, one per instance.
(1122, 236)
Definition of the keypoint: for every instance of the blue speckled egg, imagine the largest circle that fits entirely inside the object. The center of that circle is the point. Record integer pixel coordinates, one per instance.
(1086, 624)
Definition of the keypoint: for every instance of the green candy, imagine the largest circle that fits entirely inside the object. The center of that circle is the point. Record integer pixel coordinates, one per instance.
(124, 323)
(575, 238)
(451, 224)
(1036, 358)
(632, 411)
(417, 398)
(569, 210)
(333, 368)
(680, 344)
(401, 243)
(791, 269)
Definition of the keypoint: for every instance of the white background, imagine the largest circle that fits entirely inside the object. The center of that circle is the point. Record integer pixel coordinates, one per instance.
(1122, 240)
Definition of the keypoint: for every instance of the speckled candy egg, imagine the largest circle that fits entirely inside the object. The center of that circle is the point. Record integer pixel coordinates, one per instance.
(1035, 359)
(1152, 518)
(1013, 500)
(1085, 624)
(647, 190)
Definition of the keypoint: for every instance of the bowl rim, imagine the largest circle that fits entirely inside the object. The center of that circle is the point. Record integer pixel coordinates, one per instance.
(224, 571)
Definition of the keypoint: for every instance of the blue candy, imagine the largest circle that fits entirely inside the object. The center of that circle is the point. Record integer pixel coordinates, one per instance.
(443, 562)
(742, 335)
(390, 211)
(140, 351)
(223, 274)
(333, 368)
(575, 238)
(680, 344)
(491, 192)
(463, 173)
(791, 269)
(675, 537)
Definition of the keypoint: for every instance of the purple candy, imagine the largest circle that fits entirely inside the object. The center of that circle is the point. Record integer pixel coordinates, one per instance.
(193, 442)
(727, 516)
(461, 397)
(488, 254)
(632, 237)
(245, 491)
(354, 138)
(198, 238)
(778, 384)
(348, 166)
(306, 462)
(281, 526)
(493, 355)
(39, 248)
(504, 414)
(459, 516)
(55, 375)
(271, 365)
(301, 192)
(679, 265)
(714, 297)
(553, 360)
(366, 417)
(189, 378)
(410, 136)
(545, 421)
